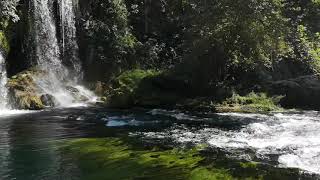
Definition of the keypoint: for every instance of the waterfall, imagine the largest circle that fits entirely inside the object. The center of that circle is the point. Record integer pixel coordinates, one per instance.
(69, 43)
(62, 77)
(3, 82)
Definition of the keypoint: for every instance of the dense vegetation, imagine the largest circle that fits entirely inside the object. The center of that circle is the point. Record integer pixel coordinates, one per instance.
(212, 45)
(208, 48)
(196, 57)
(221, 38)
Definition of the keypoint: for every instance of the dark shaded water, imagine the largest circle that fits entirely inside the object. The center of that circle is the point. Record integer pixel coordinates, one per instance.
(29, 147)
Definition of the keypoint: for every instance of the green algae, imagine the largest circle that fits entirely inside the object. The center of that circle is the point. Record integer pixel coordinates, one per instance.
(251, 103)
(250, 164)
(210, 174)
(4, 43)
(113, 158)
(125, 158)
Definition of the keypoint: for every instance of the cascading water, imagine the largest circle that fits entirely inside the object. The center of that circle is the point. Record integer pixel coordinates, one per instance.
(68, 35)
(3, 82)
(49, 53)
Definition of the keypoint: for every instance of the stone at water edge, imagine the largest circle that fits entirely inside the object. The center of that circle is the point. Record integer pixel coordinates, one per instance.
(22, 100)
(23, 91)
(48, 100)
(302, 92)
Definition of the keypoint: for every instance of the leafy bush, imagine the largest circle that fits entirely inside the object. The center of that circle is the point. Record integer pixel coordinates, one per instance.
(130, 80)
(124, 87)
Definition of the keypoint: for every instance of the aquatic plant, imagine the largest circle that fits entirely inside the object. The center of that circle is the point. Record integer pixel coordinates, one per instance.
(113, 158)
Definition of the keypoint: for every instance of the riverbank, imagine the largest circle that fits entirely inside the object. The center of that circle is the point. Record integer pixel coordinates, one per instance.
(154, 89)
(151, 89)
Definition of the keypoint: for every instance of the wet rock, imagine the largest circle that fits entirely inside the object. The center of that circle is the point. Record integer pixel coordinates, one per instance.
(21, 100)
(23, 91)
(72, 89)
(100, 88)
(48, 100)
(302, 92)
(76, 94)
(144, 89)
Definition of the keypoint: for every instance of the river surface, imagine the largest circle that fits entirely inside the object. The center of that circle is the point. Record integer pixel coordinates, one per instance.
(285, 143)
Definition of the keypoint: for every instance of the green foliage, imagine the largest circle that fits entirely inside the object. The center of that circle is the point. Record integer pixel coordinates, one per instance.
(248, 33)
(113, 158)
(217, 41)
(130, 80)
(124, 87)
(108, 35)
(312, 46)
(251, 103)
(158, 27)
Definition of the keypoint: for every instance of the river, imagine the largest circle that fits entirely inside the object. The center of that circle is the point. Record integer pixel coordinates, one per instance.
(284, 145)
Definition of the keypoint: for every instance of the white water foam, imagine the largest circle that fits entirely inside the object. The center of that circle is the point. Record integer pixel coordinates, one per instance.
(293, 138)
(11, 112)
(3, 82)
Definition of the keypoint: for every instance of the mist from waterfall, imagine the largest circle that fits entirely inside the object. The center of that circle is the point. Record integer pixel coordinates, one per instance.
(3, 82)
(61, 81)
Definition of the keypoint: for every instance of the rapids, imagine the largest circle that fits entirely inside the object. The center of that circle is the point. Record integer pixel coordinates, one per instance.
(284, 139)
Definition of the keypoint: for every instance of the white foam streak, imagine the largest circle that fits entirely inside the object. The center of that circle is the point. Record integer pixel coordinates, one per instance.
(294, 138)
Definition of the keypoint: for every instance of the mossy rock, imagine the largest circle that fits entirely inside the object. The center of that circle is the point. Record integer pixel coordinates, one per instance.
(23, 91)
(28, 101)
(143, 88)
(4, 43)
(124, 87)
